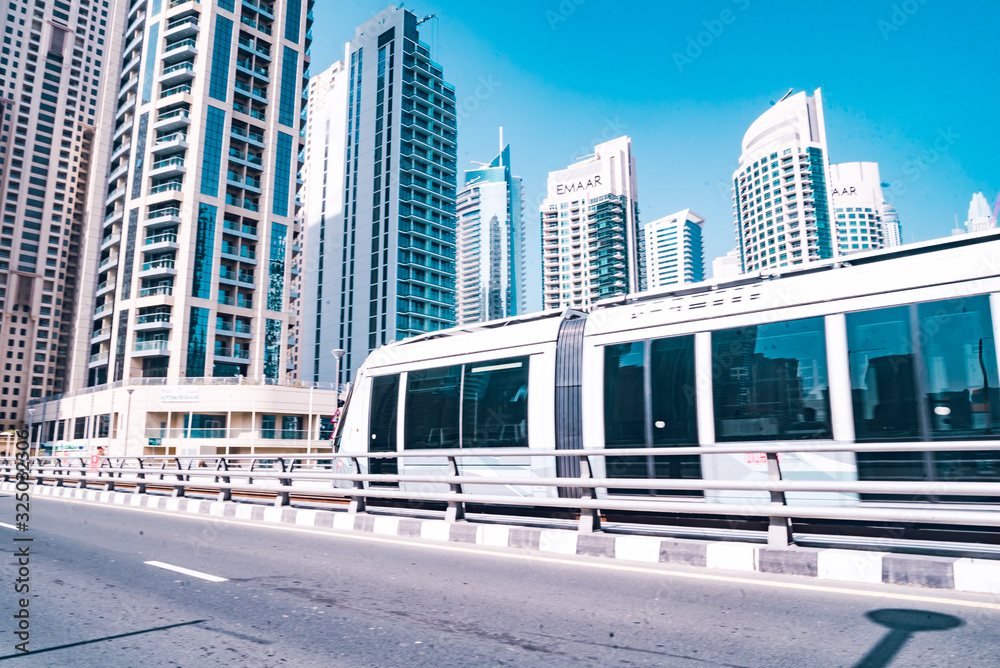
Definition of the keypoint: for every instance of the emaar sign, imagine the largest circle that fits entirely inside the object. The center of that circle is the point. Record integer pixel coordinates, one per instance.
(577, 186)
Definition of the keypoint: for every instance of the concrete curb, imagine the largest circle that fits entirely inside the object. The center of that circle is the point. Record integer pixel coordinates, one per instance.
(973, 575)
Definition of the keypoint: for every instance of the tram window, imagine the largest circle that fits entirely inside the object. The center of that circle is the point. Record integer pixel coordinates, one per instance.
(432, 404)
(382, 423)
(926, 372)
(675, 418)
(624, 407)
(666, 415)
(769, 382)
(495, 404)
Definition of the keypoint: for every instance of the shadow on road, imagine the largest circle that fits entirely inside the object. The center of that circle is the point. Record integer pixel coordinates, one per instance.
(106, 638)
(902, 624)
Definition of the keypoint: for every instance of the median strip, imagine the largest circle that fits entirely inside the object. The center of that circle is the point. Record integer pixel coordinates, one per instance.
(186, 571)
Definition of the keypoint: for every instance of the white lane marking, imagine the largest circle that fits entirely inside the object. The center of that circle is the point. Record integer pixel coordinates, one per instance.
(186, 571)
(776, 584)
(8, 526)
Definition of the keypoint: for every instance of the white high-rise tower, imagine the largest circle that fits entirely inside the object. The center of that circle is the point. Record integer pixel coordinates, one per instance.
(781, 195)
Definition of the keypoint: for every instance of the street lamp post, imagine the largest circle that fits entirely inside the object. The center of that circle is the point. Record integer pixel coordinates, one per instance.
(31, 425)
(128, 414)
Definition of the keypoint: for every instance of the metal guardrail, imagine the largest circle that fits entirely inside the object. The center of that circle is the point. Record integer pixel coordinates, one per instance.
(277, 473)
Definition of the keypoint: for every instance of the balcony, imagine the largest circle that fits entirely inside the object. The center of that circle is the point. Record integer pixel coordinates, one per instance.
(239, 254)
(238, 355)
(102, 334)
(250, 204)
(250, 159)
(158, 268)
(172, 143)
(183, 89)
(253, 113)
(157, 290)
(242, 279)
(244, 65)
(185, 26)
(166, 216)
(150, 348)
(110, 240)
(172, 120)
(247, 135)
(234, 328)
(258, 49)
(153, 321)
(104, 309)
(260, 7)
(166, 187)
(238, 301)
(99, 359)
(110, 261)
(185, 49)
(244, 230)
(168, 167)
(175, 74)
(247, 21)
(160, 242)
(105, 287)
(256, 92)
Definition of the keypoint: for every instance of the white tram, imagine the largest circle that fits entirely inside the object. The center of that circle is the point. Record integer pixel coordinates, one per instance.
(889, 346)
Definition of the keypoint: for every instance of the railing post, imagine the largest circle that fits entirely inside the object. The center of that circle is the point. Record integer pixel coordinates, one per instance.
(59, 472)
(140, 488)
(109, 486)
(456, 509)
(590, 518)
(779, 529)
(224, 494)
(282, 498)
(357, 503)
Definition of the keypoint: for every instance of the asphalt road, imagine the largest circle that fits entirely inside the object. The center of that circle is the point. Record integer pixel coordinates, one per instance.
(304, 598)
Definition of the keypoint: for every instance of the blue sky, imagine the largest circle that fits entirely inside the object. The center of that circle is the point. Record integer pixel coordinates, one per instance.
(911, 85)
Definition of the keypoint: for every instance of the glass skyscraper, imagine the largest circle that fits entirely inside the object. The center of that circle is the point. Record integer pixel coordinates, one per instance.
(491, 254)
(381, 222)
(190, 253)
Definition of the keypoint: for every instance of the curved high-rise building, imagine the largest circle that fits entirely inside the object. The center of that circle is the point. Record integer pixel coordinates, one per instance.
(490, 240)
(781, 190)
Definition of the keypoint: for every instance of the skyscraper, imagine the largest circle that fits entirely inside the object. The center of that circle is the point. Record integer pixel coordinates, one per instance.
(780, 190)
(980, 217)
(192, 235)
(590, 229)
(491, 255)
(891, 229)
(858, 204)
(389, 225)
(674, 249)
(56, 58)
(193, 251)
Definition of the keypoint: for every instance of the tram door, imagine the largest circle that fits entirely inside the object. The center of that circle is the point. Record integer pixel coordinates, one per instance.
(382, 423)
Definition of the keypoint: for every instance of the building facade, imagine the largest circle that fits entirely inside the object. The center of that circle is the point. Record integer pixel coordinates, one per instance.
(389, 223)
(980, 217)
(781, 189)
(892, 231)
(490, 238)
(55, 61)
(674, 251)
(590, 229)
(858, 204)
(192, 237)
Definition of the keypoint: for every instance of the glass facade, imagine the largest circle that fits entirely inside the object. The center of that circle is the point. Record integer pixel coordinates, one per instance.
(925, 372)
(289, 84)
(272, 348)
(229, 5)
(769, 382)
(218, 82)
(211, 161)
(276, 268)
(282, 174)
(197, 342)
(649, 400)
(201, 279)
(149, 72)
(293, 20)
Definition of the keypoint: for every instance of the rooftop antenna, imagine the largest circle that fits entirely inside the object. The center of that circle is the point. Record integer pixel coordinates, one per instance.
(501, 146)
(427, 18)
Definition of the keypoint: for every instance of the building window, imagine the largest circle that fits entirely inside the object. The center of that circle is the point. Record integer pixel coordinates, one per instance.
(218, 83)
